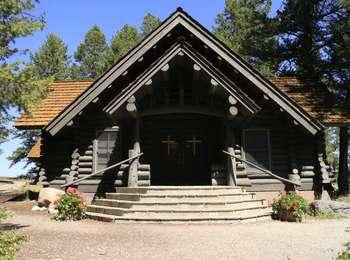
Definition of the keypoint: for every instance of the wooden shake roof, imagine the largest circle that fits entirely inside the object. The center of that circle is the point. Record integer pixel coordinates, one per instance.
(319, 104)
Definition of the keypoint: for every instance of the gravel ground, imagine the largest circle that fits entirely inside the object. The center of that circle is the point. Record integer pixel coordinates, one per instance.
(97, 240)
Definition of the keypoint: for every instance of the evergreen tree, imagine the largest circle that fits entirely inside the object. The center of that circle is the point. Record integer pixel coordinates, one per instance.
(303, 28)
(150, 22)
(19, 85)
(245, 27)
(93, 55)
(50, 61)
(124, 40)
(52, 58)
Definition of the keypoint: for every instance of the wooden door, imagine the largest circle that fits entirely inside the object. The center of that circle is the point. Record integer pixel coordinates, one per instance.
(178, 150)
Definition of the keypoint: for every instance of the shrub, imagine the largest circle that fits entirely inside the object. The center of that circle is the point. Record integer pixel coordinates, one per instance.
(9, 243)
(70, 206)
(290, 207)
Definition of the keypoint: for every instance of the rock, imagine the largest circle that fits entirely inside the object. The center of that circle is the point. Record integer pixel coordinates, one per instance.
(37, 208)
(48, 196)
(52, 209)
(337, 207)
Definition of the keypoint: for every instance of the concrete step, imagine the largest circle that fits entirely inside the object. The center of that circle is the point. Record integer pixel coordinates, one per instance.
(183, 197)
(181, 190)
(161, 212)
(232, 218)
(203, 204)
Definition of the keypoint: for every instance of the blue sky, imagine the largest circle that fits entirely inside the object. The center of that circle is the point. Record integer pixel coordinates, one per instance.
(71, 19)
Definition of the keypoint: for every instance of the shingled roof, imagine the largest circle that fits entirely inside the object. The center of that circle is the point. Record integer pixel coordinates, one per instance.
(317, 103)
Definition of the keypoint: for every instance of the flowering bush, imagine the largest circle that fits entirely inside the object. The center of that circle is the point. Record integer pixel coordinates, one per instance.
(290, 207)
(71, 206)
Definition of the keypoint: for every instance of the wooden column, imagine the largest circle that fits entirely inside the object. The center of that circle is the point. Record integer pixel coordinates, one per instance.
(293, 174)
(343, 176)
(231, 162)
(321, 172)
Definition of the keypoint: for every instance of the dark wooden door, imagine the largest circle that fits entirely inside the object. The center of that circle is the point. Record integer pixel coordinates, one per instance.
(178, 152)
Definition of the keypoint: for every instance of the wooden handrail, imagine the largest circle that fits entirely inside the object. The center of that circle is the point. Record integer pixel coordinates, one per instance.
(103, 170)
(263, 170)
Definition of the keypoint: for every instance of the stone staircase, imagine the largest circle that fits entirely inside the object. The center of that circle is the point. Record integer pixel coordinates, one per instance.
(179, 204)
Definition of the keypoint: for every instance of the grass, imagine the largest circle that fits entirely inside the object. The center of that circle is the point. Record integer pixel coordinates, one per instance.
(326, 214)
(9, 240)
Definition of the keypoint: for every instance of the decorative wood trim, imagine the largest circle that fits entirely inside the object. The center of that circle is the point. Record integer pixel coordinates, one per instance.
(208, 39)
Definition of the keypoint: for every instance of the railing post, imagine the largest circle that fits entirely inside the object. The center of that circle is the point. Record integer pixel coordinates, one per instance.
(231, 177)
(133, 168)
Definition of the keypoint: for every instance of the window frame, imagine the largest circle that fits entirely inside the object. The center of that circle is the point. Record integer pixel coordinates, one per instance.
(267, 131)
(95, 143)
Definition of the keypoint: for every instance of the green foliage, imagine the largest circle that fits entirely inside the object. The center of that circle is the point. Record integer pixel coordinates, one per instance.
(332, 143)
(303, 27)
(4, 214)
(51, 59)
(9, 243)
(19, 87)
(93, 55)
(28, 139)
(245, 27)
(70, 207)
(345, 255)
(124, 40)
(150, 22)
(290, 206)
(326, 214)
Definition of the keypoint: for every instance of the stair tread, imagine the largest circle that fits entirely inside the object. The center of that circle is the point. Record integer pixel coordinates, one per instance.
(150, 209)
(181, 218)
(183, 202)
(179, 195)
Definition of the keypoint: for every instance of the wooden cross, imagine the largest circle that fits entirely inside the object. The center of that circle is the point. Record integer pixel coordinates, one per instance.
(194, 143)
(169, 142)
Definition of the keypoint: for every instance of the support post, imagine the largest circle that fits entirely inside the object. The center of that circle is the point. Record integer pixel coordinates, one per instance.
(293, 175)
(343, 176)
(231, 162)
(132, 179)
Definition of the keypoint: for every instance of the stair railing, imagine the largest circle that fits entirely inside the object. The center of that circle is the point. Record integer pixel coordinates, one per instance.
(263, 170)
(103, 170)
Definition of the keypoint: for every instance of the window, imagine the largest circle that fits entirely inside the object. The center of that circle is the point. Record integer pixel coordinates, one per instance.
(257, 148)
(105, 148)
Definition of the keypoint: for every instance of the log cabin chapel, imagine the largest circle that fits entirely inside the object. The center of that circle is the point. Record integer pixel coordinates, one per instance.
(183, 110)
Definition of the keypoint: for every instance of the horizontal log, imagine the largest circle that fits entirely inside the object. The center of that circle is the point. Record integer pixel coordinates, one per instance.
(85, 158)
(143, 183)
(307, 174)
(85, 170)
(144, 175)
(85, 164)
(144, 167)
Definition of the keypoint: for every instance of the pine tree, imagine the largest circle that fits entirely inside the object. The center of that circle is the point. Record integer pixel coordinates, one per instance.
(303, 28)
(52, 58)
(124, 40)
(93, 55)
(150, 22)
(245, 27)
(19, 86)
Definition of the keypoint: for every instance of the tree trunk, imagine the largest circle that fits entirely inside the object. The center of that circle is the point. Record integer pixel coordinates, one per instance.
(343, 181)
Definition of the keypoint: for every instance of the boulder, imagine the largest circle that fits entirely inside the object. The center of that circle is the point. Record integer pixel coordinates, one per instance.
(52, 209)
(49, 196)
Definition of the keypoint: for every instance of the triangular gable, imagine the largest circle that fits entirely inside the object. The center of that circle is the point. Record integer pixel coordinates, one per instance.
(197, 59)
(209, 40)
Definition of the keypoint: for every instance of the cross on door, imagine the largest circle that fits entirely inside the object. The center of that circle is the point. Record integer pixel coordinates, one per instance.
(169, 142)
(194, 143)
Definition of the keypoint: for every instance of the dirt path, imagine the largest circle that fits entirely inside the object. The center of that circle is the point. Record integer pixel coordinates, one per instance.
(96, 240)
